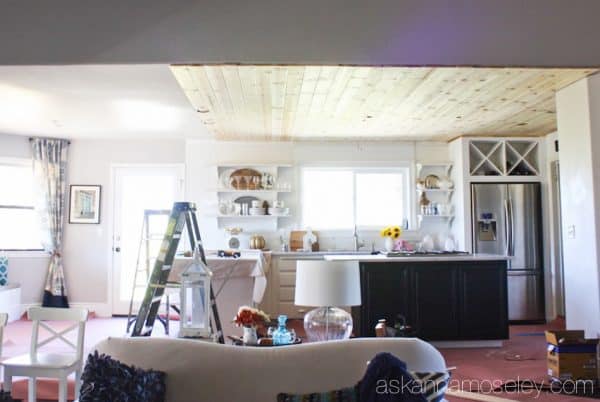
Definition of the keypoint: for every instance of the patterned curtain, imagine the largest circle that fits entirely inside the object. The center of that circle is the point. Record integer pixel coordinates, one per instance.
(49, 169)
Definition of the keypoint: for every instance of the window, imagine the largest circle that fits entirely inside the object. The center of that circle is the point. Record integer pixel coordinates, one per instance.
(18, 222)
(339, 198)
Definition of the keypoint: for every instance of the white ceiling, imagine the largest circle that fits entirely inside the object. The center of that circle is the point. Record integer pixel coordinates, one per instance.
(99, 101)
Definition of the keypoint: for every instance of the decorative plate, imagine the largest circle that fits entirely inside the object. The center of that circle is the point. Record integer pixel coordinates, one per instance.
(246, 179)
(432, 181)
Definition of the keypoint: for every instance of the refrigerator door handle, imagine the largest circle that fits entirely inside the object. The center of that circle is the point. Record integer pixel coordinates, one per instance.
(506, 229)
(511, 228)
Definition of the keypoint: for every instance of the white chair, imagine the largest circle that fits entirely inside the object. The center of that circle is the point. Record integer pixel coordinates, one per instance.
(3, 321)
(50, 365)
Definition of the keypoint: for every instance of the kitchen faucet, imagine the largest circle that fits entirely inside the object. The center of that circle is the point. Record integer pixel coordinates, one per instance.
(357, 242)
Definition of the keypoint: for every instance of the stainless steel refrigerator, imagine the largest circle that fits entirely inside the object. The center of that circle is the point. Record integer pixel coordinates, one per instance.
(507, 220)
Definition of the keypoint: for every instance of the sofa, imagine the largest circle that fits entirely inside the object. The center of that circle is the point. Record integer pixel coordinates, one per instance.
(200, 371)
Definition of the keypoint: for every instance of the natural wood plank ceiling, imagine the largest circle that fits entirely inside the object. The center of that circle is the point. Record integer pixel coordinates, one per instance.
(247, 102)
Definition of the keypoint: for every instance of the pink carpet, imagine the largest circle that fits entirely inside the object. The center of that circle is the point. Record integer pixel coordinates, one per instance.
(522, 356)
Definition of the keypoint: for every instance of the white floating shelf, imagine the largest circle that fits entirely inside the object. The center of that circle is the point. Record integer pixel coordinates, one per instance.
(435, 216)
(434, 190)
(447, 166)
(448, 219)
(253, 216)
(232, 190)
(259, 165)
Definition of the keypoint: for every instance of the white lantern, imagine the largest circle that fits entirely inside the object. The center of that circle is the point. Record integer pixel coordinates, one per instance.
(195, 306)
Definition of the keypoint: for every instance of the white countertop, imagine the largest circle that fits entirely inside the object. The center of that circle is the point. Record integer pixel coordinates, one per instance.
(443, 257)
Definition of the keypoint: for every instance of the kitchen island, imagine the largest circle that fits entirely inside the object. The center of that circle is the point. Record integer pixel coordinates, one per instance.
(441, 297)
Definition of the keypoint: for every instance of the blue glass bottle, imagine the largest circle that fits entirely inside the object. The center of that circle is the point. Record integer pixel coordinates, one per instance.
(281, 336)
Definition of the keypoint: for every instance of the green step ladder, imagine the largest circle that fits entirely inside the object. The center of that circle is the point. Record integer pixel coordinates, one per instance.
(182, 215)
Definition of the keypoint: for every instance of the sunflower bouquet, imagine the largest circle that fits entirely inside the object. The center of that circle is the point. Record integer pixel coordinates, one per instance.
(393, 232)
(391, 236)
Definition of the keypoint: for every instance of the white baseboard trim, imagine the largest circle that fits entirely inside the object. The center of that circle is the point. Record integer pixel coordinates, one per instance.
(467, 344)
(102, 310)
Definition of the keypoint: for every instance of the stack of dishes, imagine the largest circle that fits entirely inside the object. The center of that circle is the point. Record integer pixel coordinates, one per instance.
(254, 211)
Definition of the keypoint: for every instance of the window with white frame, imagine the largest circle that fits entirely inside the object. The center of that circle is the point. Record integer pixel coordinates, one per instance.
(19, 228)
(369, 197)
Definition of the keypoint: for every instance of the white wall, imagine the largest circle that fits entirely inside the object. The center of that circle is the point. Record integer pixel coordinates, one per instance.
(376, 32)
(87, 248)
(14, 146)
(202, 157)
(578, 115)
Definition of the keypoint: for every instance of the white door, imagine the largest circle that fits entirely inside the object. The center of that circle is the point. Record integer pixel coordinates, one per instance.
(138, 189)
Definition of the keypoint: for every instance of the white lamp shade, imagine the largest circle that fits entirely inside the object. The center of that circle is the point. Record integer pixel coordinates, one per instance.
(327, 283)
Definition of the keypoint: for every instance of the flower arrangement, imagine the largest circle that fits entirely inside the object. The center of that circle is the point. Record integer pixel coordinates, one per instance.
(393, 232)
(250, 317)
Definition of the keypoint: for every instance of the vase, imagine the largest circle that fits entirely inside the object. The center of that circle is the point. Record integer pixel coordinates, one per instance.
(388, 244)
(250, 337)
(281, 336)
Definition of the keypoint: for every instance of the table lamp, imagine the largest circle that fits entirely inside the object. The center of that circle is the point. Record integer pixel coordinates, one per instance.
(326, 285)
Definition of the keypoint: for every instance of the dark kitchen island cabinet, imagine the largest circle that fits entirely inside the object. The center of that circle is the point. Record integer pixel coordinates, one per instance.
(450, 300)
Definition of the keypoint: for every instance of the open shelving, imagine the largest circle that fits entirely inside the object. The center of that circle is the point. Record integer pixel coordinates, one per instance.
(439, 195)
(282, 173)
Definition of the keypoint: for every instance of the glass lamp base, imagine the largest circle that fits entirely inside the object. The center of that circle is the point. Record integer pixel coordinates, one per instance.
(327, 323)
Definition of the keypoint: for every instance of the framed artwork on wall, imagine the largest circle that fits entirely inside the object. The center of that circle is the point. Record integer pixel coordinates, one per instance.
(84, 204)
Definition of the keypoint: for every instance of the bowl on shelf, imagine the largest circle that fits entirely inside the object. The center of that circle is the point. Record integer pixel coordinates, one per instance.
(278, 211)
(256, 211)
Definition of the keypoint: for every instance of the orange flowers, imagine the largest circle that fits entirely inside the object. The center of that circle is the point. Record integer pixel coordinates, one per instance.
(250, 317)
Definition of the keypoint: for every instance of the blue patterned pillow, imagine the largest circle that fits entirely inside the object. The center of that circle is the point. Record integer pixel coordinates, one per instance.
(3, 269)
(349, 394)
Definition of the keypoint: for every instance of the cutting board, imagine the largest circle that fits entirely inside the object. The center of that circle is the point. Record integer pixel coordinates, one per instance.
(296, 240)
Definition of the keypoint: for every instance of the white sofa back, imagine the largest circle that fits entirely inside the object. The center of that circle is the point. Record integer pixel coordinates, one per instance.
(200, 371)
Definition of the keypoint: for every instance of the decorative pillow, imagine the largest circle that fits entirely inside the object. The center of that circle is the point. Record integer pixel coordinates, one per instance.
(5, 397)
(105, 379)
(433, 385)
(387, 379)
(349, 394)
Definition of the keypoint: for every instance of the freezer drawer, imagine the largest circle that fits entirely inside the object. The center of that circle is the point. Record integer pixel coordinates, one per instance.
(526, 296)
